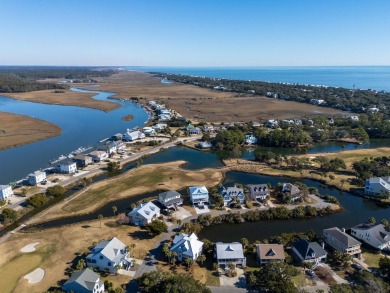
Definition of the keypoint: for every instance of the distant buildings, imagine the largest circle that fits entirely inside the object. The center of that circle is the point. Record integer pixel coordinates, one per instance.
(250, 139)
(227, 253)
(5, 192)
(144, 214)
(187, 246)
(341, 241)
(36, 177)
(377, 186)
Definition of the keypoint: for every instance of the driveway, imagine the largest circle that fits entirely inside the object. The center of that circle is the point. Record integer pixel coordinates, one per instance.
(199, 211)
(238, 281)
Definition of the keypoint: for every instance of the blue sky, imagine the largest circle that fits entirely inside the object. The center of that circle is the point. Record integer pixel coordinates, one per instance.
(195, 33)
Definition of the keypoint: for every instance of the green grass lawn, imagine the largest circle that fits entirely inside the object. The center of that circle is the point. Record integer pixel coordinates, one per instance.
(371, 258)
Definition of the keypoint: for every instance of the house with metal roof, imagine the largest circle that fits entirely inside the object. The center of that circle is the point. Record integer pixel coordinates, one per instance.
(227, 253)
(170, 199)
(36, 177)
(144, 214)
(109, 256)
(258, 192)
(341, 241)
(303, 250)
(84, 281)
(199, 195)
(6, 192)
(377, 186)
(372, 234)
(270, 253)
(187, 246)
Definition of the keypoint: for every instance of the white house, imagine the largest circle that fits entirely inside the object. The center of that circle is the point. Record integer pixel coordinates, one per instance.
(199, 195)
(5, 192)
(250, 139)
(144, 214)
(149, 131)
(227, 253)
(272, 123)
(67, 167)
(374, 235)
(187, 246)
(109, 255)
(132, 136)
(159, 126)
(230, 192)
(36, 177)
(291, 190)
(110, 148)
(84, 281)
(205, 145)
(98, 156)
(377, 186)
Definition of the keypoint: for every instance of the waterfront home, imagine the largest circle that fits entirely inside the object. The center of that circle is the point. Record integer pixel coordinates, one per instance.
(341, 241)
(36, 177)
(195, 131)
(317, 102)
(120, 146)
(258, 192)
(199, 195)
(82, 160)
(84, 281)
(270, 253)
(6, 192)
(149, 131)
(187, 246)
(354, 118)
(98, 156)
(292, 191)
(230, 192)
(108, 147)
(188, 127)
(209, 129)
(134, 135)
(117, 137)
(164, 117)
(109, 256)
(159, 127)
(330, 120)
(256, 124)
(250, 139)
(377, 186)
(170, 199)
(303, 250)
(144, 214)
(272, 123)
(372, 234)
(227, 253)
(205, 145)
(66, 167)
(373, 110)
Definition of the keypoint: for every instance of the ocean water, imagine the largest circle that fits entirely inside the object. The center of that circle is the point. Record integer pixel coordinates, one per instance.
(358, 77)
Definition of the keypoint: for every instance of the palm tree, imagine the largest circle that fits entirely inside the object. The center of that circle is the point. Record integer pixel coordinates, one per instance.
(244, 242)
(114, 209)
(201, 259)
(189, 262)
(371, 220)
(132, 246)
(100, 217)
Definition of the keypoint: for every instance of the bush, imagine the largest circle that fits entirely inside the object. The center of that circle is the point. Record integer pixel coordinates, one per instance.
(156, 228)
(55, 191)
(37, 200)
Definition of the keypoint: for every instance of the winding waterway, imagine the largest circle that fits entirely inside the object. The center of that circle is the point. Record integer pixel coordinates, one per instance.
(80, 127)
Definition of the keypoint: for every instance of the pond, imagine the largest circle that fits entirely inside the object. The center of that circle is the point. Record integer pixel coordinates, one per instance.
(80, 127)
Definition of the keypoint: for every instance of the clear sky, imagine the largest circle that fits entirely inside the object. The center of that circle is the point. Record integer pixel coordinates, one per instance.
(195, 32)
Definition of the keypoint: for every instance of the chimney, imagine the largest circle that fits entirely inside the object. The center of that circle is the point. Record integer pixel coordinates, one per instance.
(343, 229)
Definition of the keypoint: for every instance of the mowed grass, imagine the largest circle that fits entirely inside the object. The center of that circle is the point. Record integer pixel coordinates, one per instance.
(371, 258)
(58, 248)
(137, 181)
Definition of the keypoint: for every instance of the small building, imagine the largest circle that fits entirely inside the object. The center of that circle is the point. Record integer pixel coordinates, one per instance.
(270, 253)
(303, 250)
(159, 127)
(187, 246)
(98, 156)
(205, 145)
(259, 192)
(134, 135)
(117, 137)
(199, 195)
(250, 139)
(208, 129)
(84, 281)
(36, 177)
(6, 192)
(120, 146)
(82, 160)
(170, 199)
(375, 235)
(195, 131)
(377, 186)
(144, 214)
(66, 167)
(109, 256)
(230, 192)
(272, 123)
(341, 241)
(227, 253)
(291, 190)
(149, 131)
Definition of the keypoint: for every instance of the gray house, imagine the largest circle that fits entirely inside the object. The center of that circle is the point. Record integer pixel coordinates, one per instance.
(341, 241)
(259, 192)
(374, 235)
(170, 199)
(230, 192)
(83, 160)
(84, 281)
(227, 253)
(303, 250)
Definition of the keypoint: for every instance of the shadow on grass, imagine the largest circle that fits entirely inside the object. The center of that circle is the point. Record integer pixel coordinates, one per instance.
(141, 234)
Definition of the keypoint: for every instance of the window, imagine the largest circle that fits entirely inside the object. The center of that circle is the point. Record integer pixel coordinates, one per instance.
(109, 264)
(101, 257)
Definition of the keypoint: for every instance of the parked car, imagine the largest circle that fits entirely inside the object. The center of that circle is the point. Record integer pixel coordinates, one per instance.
(311, 273)
(357, 267)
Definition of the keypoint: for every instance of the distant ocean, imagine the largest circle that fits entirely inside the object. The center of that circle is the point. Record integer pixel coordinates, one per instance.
(358, 77)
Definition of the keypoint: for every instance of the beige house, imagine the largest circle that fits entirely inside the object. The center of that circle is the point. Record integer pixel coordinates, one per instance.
(270, 253)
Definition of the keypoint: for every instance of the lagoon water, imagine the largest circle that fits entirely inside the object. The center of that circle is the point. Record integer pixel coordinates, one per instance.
(359, 77)
(80, 127)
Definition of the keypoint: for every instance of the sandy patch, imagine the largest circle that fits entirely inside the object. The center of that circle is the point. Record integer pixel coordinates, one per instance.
(35, 276)
(30, 247)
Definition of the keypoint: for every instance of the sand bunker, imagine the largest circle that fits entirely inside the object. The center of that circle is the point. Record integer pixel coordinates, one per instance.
(35, 276)
(30, 247)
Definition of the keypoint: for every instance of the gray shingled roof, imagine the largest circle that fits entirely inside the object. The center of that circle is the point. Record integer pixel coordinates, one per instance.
(86, 278)
(170, 196)
(377, 231)
(342, 237)
(306, 248)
